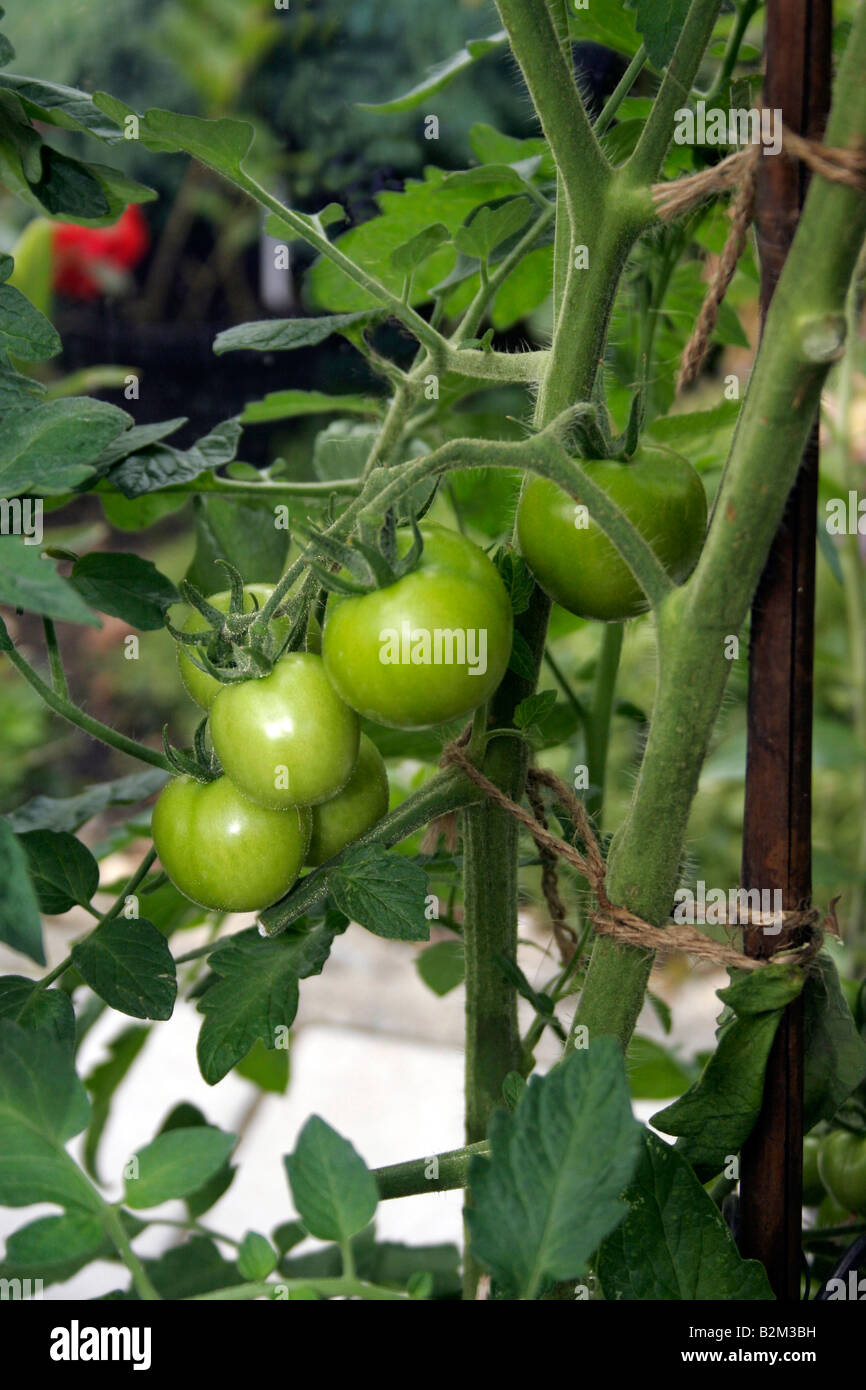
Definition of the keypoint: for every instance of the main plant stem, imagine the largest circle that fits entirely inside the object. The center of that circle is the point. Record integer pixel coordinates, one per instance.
(804, 333)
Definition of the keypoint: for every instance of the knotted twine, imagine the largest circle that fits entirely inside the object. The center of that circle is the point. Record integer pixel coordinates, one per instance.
(740, 171)
(611, 920)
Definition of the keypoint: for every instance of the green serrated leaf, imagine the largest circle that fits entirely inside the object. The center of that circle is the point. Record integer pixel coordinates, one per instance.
(674, 1244)
(660, 23)
(71, 812)
(52, 447)
(175, 1164)
(333, 1190)
(102, 1084)
(125, 586)
(24, 332)
(382, 891)
(288, 405)
(835, 1053)
(49, 1010)
(285, 335)
(534, 710)
(20, 922)
(129, 965)
(266, 1068)
(412, 253)
(715, 1116)
(440, 75)
(29, 582)
(256, 993)
(490, 227)
(42, 1106)
(160, 465)
(551, 1189)
(63, 870)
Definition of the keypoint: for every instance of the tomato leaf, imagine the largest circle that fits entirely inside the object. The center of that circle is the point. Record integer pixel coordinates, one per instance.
(62, 869)
(333, 1190)
(715, 1116)
(175, 1164)
(53, 1248)
(242, 531)
(102, 1083)
(20, 922)
(24, 331)
(551, 1189)
(138, 437)
(70, 812)
(256, 992)
(257, 1258)
(654, 1071)
(160, 465)
(606, 22)
(660, 23)
(126, 587)
(285, 335)
(52, 448)
(29, 582)
(266, 1068)
(186, 1116)
(674, 1243)
(835, 1053)
(440, 75)
(442, 967)
(49, 1010)
(42, 1106)
(490, 227)
(288, 405)
(129, 965)
(382, 891)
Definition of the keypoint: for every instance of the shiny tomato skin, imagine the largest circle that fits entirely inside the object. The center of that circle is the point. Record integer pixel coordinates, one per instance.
(454, 588)
(842, 1165)
(222, 851)
(202, 687)
(286, 739)
(579, 567)
(362, 802)
(813, 1188)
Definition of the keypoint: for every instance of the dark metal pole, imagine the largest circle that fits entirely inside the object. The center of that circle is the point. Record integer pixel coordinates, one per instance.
(777, 824)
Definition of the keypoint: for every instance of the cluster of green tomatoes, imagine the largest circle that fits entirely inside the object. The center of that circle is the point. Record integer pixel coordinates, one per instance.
(425, 639)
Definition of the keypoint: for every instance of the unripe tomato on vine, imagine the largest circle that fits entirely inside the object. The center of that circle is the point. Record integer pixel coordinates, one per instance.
(578, 566)
(429, 647)
(222, 850)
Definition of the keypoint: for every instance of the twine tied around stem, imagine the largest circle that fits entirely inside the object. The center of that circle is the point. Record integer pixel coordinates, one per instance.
(740, 171)
(608, 919)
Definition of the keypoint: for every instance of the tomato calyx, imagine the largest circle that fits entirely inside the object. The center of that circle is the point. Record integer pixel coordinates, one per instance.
(592, 434)
(200, 762)
(366, 567)
(235, 646)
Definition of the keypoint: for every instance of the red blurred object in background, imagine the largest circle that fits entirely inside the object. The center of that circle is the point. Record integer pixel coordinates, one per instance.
(91, 261)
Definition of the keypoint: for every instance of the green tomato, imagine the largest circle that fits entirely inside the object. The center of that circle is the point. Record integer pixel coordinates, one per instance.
(429, 648)
(813, 1188)
(578, 566)
(222, 851)
(286, 739)
(842, 1166)
(202, 687)
(362, 802)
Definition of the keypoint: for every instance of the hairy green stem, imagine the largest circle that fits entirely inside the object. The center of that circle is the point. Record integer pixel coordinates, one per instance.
(71, 712)
(675, 91)
(448, 791)
(620, 92)
(804, 333)
(121, 1242)
(438, 1173)
(599, 717)
(55, 660)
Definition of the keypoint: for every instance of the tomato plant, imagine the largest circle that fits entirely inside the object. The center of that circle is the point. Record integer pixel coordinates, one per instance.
(469, 664)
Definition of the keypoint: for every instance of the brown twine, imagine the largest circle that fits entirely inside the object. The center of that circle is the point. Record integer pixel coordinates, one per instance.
(740, 171)
(619, 922)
